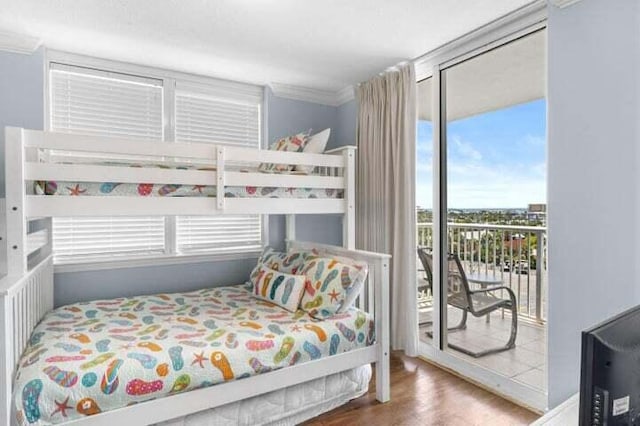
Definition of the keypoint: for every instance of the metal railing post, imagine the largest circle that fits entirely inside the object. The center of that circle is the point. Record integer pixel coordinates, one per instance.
(539, 266)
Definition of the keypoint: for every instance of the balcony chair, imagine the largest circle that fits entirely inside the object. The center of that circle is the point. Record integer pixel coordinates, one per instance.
(426, 258)
(425, 285)
(476, 302)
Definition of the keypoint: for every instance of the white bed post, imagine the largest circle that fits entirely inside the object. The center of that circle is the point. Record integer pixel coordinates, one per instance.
(6, 356)
(382, 318)
(15, 202)
(3, 237)
(349, 220)
(16, 241)
(290, 227)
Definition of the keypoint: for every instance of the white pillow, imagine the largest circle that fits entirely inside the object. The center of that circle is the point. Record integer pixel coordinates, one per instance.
(315, 145)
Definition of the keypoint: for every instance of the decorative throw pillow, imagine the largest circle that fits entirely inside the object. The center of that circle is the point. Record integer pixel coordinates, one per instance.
(358, 282)
(289, 263)
(315, 145)
(329, 286)
(355, 289)
(295, 143)
(284, 290)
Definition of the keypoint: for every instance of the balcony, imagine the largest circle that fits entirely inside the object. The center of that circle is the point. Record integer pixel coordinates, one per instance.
(516, 256)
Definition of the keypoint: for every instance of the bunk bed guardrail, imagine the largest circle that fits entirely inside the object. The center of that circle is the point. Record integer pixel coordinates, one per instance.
(24, 300)
(28, 155)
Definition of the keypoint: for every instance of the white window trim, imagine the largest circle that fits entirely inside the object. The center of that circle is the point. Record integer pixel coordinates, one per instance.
(146, 261)
(168, 78)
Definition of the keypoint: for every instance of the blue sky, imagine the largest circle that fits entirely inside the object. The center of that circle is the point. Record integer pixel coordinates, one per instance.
(495, 160)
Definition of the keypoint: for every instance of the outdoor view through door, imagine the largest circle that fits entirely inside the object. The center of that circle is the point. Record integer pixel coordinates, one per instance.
(493, 111)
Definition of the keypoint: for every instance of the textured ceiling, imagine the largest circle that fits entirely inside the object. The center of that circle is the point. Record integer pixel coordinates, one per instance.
(326, 44)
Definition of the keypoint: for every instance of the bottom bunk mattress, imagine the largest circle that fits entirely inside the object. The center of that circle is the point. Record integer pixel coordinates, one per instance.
(91, 357)
(286, 407)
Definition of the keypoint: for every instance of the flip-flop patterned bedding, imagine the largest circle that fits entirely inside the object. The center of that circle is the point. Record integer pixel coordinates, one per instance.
(91, 357)
(170, 190)
(159, 190)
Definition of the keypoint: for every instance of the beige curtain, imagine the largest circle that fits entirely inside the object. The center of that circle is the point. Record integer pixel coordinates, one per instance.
(385, 190)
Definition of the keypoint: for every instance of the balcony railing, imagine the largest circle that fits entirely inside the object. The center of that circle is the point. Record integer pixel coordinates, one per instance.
(515, 254)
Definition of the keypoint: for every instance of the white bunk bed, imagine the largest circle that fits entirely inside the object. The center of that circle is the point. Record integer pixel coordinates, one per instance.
(26, 291)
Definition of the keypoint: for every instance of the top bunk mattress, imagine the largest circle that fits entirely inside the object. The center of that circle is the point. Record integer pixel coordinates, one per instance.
(76, 188)
(91, 357)
(158, 190)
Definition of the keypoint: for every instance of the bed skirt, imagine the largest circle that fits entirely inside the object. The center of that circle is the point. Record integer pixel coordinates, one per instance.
(289, 406)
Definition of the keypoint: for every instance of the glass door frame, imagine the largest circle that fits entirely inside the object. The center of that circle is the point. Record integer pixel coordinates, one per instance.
(520, 23)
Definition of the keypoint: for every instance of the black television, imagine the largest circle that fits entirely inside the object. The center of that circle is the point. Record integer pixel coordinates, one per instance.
(610, 372)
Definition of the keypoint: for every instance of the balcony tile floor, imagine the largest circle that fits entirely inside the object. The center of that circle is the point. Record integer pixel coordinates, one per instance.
(524, 363)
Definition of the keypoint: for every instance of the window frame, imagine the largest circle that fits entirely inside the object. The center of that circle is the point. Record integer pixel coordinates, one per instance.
(169, 79)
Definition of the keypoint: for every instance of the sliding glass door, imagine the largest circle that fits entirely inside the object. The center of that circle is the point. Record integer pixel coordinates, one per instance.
(488, 239)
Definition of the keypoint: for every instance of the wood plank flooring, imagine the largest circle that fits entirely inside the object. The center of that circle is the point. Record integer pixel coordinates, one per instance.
(422, 394)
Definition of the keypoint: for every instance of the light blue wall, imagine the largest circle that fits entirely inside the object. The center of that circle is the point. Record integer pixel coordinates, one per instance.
(594, 158)
(91, 285)
(21, 95)
(287, 117)
(347, 120)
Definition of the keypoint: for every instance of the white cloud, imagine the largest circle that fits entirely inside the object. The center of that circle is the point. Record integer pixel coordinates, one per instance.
(509, 192)
(424, 194)
(424, 148)
(424, 168)
(473, 184)
(532, 140)
(465, 149)
(478, 182)
(540, 169)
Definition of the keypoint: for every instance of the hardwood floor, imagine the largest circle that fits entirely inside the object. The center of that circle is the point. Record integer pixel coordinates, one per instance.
(422, 394)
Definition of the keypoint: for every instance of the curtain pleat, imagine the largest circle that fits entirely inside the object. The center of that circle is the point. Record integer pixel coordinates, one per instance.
(385, 190)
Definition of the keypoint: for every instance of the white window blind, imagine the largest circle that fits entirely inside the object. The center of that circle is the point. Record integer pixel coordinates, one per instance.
(101, 103)
(205, 119)
(218, 116)
(224, 234)
(93, 102)
(85, 239)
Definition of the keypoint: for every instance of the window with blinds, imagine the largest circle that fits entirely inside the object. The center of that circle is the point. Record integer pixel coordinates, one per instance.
(232, 121)
(96, 102)
(101, 103)
(93, 102)
(107, 238)
(220, 117)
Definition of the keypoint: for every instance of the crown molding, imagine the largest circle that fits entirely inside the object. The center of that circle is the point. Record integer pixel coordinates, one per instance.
(345, 95)
(563, 3)
(18, 43)
(513, 25)
(308, 94)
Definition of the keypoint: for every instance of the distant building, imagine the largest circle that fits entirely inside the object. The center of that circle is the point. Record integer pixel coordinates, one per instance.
(537, 211)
